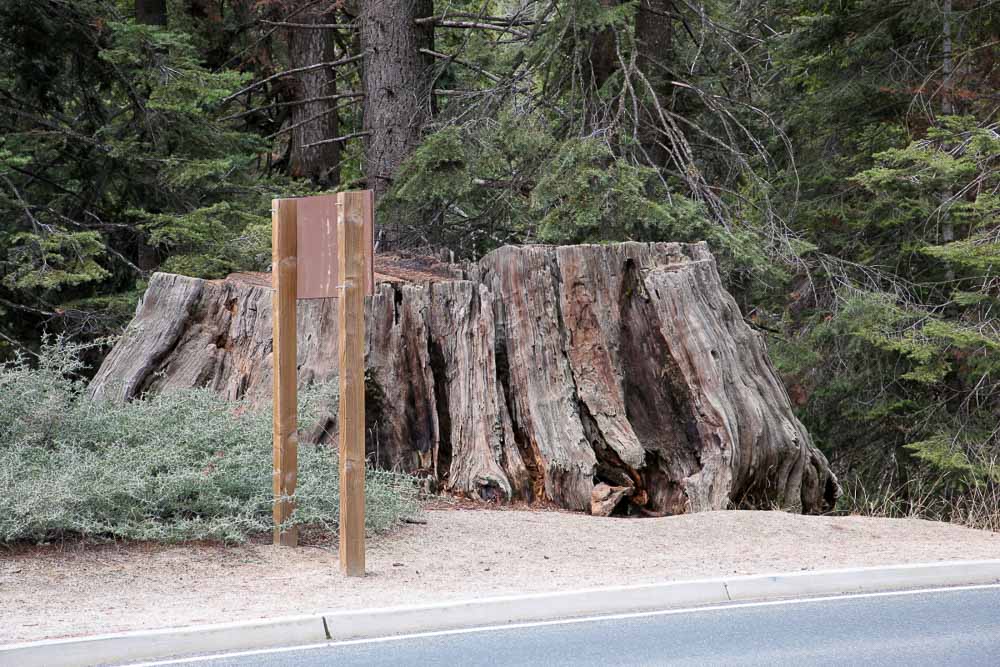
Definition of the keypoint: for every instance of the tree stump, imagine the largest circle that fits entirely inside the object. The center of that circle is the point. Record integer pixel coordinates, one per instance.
(538, 373)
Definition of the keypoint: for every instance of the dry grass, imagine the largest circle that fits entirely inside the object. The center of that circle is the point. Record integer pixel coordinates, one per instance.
(975, 505)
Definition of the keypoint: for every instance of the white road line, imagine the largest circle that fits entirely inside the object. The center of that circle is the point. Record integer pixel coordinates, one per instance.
(565, 621)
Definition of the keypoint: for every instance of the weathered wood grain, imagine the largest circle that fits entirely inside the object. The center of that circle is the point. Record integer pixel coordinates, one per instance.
(545, 373)
(544, 401)
(285, 386)
(481, 459)
(351, 242)
(403, 432)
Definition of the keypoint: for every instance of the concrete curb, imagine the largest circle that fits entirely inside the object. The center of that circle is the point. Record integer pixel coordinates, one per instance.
(371, 623)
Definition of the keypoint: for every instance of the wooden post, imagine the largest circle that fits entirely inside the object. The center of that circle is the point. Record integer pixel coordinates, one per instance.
(353, 209)
(283, 256)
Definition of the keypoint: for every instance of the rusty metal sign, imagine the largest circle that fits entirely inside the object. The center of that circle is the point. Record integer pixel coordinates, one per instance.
(316, 236)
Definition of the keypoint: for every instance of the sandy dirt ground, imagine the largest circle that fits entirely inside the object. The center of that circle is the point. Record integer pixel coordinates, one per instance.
(59, 591)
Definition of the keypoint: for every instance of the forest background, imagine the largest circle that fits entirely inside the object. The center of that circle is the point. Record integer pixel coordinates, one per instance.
(842, 159)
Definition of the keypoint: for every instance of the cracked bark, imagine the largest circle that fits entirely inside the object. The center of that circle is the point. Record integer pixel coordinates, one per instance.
(317, 120)
(545, 374)
(405, 432)
(397, 86)
(483, 461)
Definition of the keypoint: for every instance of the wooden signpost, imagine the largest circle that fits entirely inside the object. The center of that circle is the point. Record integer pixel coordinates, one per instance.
(286, 440)
(322, 247)
(351, 419)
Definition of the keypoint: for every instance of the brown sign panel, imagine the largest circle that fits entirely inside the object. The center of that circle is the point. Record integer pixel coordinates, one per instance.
(316, 235)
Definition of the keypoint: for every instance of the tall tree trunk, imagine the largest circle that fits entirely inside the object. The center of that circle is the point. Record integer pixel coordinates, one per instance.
(397, 80)
(947, 66)
(603, 61)
(948, 108)
(316, 120)
(654, 41)
(151, 12)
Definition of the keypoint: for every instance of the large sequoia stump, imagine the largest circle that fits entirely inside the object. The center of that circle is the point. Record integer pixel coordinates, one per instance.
(538, 373)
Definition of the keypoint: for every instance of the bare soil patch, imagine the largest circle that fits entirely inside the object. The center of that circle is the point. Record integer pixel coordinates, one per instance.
(76, 590)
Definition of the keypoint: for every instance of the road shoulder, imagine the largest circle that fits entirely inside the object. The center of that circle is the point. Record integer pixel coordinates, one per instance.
(495, 611)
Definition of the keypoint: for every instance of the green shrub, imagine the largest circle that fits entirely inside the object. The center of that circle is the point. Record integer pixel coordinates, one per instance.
(182, 465)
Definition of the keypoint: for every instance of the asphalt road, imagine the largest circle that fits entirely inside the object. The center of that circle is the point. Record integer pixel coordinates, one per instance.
(950, 627)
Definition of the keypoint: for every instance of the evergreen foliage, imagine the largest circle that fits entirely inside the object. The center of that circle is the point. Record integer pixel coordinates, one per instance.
(113, 162)
(894, 344)
(841, 158)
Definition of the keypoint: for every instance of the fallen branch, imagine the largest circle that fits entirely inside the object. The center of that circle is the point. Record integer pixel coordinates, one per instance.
(490, 20)
(292, 103)
(288, 72)
(444, 56)
(311, 26)
(335, 140)
(479, 26)
(310, 119)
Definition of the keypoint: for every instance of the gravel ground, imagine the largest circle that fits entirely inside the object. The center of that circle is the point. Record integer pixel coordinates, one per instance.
(76, 590)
